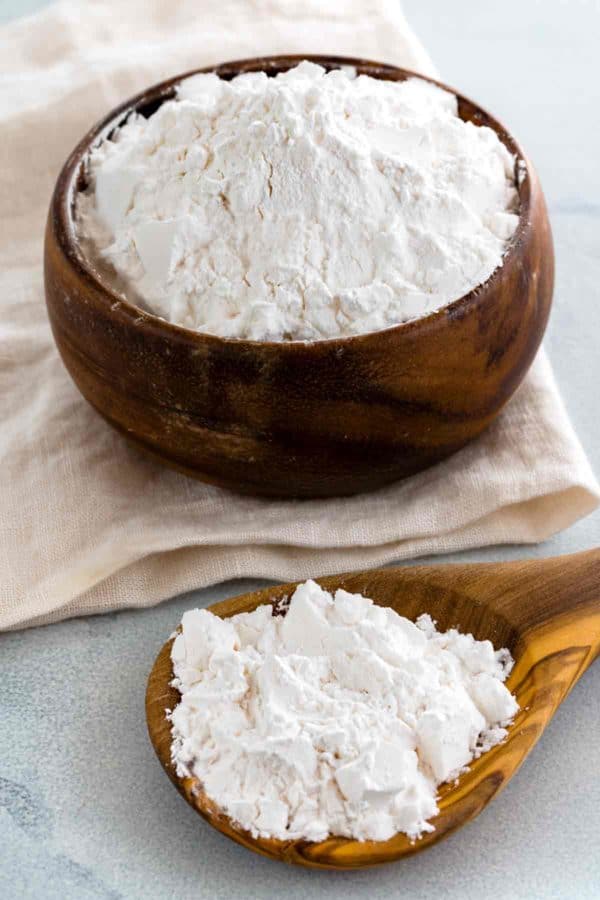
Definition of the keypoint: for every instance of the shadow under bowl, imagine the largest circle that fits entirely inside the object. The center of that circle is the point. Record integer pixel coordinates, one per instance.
(299, 419)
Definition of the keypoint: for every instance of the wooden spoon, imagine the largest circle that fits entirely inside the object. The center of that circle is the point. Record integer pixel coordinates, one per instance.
(547, 612)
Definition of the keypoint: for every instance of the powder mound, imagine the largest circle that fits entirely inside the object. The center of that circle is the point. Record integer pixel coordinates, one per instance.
(306, 206)
(339, 718)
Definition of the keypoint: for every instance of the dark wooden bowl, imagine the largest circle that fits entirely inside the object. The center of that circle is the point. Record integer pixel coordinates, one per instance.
(299, 419)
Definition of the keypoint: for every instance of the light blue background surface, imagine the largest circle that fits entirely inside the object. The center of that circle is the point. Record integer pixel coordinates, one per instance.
(85, 810)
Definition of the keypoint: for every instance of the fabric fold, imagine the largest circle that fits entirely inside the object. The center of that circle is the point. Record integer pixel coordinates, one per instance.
(87, 524)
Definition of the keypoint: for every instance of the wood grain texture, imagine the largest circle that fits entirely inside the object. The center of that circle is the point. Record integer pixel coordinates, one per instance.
(300, 419)
(547, 612)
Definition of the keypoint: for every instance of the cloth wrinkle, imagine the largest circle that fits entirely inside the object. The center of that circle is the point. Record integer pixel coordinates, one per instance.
(87, 523)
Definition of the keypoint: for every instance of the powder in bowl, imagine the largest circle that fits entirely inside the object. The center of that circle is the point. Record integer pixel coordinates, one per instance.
(306, 206)
(339, 718)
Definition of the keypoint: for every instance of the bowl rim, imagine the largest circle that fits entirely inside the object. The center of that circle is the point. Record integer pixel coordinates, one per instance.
(63, 222)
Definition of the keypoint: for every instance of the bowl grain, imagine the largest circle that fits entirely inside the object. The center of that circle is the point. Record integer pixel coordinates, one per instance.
(299, 419)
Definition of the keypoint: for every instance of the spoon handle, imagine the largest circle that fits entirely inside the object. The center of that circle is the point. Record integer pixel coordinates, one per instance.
(552, 604)
(540, 591)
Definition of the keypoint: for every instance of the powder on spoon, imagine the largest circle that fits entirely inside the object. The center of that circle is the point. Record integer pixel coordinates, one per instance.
(306, 206)
(339, 718)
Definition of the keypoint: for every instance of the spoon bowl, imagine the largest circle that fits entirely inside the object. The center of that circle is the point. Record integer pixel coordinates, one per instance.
(547, 612)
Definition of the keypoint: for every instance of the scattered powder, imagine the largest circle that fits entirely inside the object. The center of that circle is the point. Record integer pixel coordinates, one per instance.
(306, 206)
(340, 717)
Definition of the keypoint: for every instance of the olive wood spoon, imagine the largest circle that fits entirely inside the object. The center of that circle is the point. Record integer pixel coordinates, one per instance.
(547, 612)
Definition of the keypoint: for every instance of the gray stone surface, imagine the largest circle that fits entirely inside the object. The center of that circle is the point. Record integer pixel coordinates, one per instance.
(85, 811)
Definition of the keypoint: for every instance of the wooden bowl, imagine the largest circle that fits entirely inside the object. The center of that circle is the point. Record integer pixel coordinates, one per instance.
(299, 419)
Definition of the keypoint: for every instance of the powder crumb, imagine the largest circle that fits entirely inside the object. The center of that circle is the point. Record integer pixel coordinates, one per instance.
(306, 206)
(338, 718)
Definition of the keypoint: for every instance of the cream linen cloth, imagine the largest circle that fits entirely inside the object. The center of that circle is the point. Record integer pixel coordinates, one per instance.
(88, 524)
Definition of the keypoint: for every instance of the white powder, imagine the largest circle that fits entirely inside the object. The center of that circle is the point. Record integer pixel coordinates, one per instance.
(305, 206)
(341, 717)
